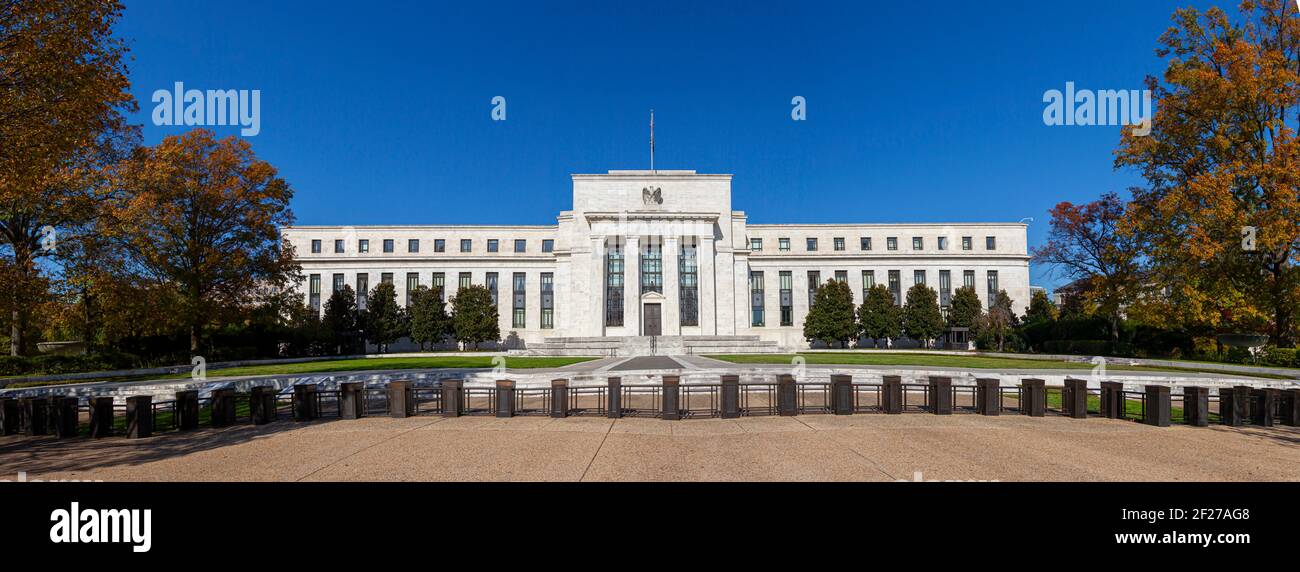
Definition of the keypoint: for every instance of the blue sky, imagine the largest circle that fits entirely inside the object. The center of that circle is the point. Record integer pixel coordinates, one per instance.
(379, 112)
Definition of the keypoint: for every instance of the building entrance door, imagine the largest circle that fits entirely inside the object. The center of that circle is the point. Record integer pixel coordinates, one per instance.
(651, 320)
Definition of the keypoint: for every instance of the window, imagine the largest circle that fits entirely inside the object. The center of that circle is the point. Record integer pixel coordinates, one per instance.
(918, 277)
(548, 245)
(412, 282)
(891, 243)
(993, 287)
(493, 245)
(413, 245)
(439, 245)
(943, 243)
(787, 298)
(519, 299)
(868, 282)
(812, 245)
(756, 297)
(945, 288)
(652, 268)
(338, 246)
(313, 292)
(756, 244)
(466, 245)
(315, 246)
(388, 245)
(814, 282)
(338, 283)
(689, 284)
(439, 284)
(968, 278)
(895, 288)
(614, 285)
(363, 290)
(464, 280)
(865, 243)
(548, 301)
(990, 243)
(490, 280)
(918, 243)
(842, 276)
(386, 278)
(521, 245)
(965, 243)
(783, 244)
(838, 242)
(363, 246)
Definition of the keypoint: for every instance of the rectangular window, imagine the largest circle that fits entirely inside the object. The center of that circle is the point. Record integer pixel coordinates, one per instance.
(521, 245)
(466, 245)
(363, 290)
(413, 245)
(943, 243)
(814, 282)
(865, 243)
(783, 244)
(868, 282)
(614, 285)
(787, 298)
(313, 293)
(756, 244)
(363, 246)
(993, 287)
(490, 280)
(439, 245)
(756, 297)
(968, 278)
(519, 300)
(842, 276)
(838, 242)
(812, 245)
(895, 287)
(386, 277)
(388, 245)
(548, 301)
(493, 245)
(918, 277)
(439, 284)
(689, 284)
(338, 246)
(652, 268)
(918, 243)
(965, 243)
(990, 243)
(891, 243)
(465, 280)
(412, 282)
(315, 246)
(945, 288)
(548, 245)
(338, 283)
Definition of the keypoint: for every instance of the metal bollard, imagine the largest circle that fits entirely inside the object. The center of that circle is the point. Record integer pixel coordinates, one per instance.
(1265, 400)
(672, 398)
(559, 398)
(36, 416)
(1291, 407)
(787, 396)
(891, 394)
(988, 396)
(1157, 408)
(1112, 400)
(63, 416)
(306, 404)
(352, 404)
(842, 394)
(223, 407)
(261, 405)
(1196, 406)
(1034, 397)
(139, 416)
(11, 416)
(1234, 405)
(614, 398)
(400, 404)
(730, 396)
(101, 417)
(505, 398)
(1074, 398)
(187, 410)
(453, 402)
(940, 395)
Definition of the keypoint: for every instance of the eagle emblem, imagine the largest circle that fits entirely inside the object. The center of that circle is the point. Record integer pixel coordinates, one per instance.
(652, 196)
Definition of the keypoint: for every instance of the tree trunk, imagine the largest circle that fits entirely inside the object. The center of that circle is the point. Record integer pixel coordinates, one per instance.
(194, 339)
(15, 331)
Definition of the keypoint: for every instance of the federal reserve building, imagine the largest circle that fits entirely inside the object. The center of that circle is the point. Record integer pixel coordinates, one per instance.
(663, 260)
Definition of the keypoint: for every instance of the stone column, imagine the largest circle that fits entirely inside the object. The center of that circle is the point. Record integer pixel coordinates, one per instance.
(708, 290)
(1157, 406)
(940, 395)
(672, 317)
(305, 406)
(187, 410)
(787, 395)
(505, 398)
(672, 398)
(261, 404)
(614, 398)
(1196, 406)
(595, 326)
(1033, 397)
(1074, 398)
(632, 286)
(139, 416)
(891, 394)
(841, 394)
(351, 402)
(101, 417)
(1234, 405)
(730, 396)
(400, 404)
(453, 404)
(988, 396)
(559, 398)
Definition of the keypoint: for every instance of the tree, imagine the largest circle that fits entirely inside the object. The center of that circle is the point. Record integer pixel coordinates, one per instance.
(1221, 168)
(922, 319)
(878, 317)
(1041, 308)
(1090, 244)
(430, 322)
(830, 318)
(205, 215)
(966, 308)
(999, 322)
(474, 316)
(385, 321)
(341, 318)
(64, 96)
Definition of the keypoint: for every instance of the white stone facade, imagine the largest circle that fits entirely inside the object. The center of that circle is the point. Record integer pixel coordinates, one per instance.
(638, 214)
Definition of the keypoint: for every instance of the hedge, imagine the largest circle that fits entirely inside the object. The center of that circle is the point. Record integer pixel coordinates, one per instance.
(61, 364)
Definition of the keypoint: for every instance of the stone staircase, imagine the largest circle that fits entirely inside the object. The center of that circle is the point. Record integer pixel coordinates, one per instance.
(649, 345)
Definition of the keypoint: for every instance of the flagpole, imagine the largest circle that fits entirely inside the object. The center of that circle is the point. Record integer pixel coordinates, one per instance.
(652, 141)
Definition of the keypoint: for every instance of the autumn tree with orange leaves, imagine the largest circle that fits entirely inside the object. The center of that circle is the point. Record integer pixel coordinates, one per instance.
(202, 215)
(1222, 159)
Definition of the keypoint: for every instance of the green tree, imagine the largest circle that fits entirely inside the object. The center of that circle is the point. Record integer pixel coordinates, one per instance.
(430, 322)
(474, 316)
(341, 318)
(830, 318)
(1041, 308)
(999, 323)
(385, 321)
(966, 309)
(878, 317)
(922, 319)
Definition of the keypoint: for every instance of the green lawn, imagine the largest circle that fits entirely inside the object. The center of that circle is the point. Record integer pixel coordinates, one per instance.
(953, 361)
